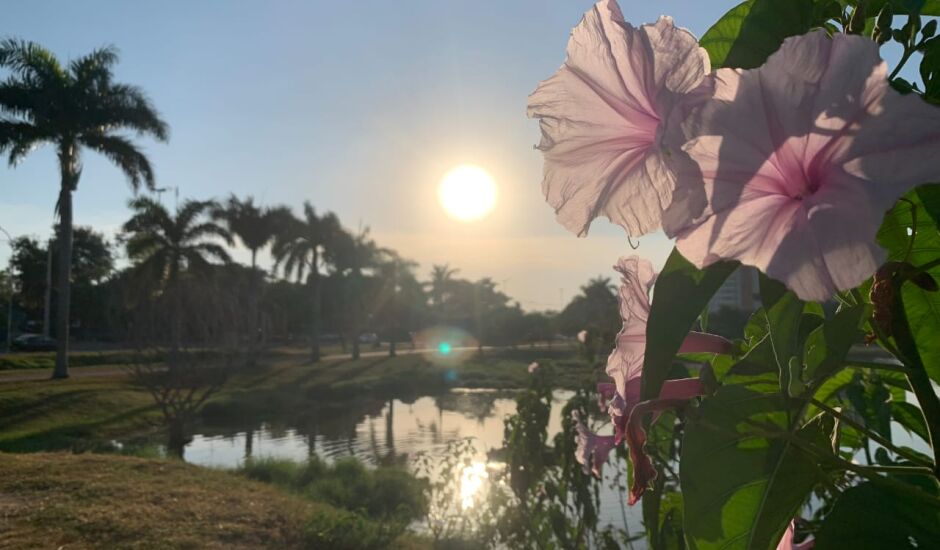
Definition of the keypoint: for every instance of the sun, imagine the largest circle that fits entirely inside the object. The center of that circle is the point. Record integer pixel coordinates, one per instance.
(467, 193)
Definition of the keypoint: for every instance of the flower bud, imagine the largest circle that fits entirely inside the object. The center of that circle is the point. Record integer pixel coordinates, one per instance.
(929, 29)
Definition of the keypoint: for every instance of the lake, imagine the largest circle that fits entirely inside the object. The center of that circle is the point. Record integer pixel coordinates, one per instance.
(395, 430)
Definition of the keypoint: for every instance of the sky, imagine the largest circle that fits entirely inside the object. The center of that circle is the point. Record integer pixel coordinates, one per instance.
(359, 107)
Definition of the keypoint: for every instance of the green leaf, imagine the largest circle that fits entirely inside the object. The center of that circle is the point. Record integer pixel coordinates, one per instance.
(910, 417)
(681, 292)
(880, 517)
(746, 36)
(921, 306)
(827, 347)
(784, 312)
(742, 488)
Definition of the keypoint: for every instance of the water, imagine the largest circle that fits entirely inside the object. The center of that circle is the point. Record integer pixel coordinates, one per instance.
(395, 430)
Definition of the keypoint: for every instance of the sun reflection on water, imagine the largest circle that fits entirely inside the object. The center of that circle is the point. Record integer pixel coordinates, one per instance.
(472, 479)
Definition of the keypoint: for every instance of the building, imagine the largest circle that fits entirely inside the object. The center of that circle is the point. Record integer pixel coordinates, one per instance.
(740, 292)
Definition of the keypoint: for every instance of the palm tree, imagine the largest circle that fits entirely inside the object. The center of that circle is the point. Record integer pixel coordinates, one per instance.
(254, 226)
(299, 248)
(353, 255)
(394, 272)
(72, 107)
(164, 246)
(442, 277)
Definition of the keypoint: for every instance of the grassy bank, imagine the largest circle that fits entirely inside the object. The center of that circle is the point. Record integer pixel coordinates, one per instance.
(85, 413)
(55, 500)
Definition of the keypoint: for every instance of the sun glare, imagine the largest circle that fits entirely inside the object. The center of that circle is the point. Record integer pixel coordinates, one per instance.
(467, 193)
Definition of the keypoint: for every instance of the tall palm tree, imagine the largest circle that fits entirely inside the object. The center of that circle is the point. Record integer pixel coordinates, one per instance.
(72, 107)
(353, 255)
(254, 226)
(394, 272)
(164, 246)
(442, 277)
(299, 248)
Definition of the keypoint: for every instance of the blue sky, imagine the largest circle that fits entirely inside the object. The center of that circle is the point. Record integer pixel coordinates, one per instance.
(359, 107)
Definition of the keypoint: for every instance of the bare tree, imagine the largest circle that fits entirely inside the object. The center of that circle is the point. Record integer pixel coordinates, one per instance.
(197, 329)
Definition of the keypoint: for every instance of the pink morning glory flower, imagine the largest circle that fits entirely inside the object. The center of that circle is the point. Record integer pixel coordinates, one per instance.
(592, 449)
(799, 160)
(604, 116)
(625, 366)
(533, 367)
(582, 336)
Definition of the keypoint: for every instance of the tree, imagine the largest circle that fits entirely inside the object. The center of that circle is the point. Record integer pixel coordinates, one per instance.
(399, 298)
(595, 308)
(92, 263)
(300, 247)
(254, 226)
(442, 277)
(353, 256)
(72, 107)
(164, 246)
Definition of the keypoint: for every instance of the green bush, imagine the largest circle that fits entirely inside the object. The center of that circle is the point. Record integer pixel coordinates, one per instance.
(390, 496)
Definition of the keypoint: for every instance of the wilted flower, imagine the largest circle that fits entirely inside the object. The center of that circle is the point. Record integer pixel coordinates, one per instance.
(533, 367)
(582, 336)
(604, 116)
(593, 449)
(625, 366)
(800, 159)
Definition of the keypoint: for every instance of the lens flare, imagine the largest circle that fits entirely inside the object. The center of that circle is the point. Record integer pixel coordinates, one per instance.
(444, 348)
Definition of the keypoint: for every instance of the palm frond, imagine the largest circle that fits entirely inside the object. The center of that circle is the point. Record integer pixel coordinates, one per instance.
(123, 153)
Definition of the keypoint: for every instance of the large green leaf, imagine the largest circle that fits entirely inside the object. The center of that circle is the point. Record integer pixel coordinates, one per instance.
(880, 517)
(827, 347)
(742, 488)
(784, 313)
(681, 293)
(922, 307)
(746, 36)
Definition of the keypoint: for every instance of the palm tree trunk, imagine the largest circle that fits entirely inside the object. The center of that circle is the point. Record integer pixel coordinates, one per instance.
(69, 178)
(256, 336)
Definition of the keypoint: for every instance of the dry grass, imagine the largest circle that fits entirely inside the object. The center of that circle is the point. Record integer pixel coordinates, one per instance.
(57, 500)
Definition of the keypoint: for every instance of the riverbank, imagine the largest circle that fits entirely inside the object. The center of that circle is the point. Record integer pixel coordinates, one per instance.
(85, 413)
(64, 500)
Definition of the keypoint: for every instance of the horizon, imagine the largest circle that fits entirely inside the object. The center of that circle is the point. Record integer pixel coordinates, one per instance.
(370, 144)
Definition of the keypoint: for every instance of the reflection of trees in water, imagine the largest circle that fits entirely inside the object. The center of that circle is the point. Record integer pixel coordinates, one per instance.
(476, 405)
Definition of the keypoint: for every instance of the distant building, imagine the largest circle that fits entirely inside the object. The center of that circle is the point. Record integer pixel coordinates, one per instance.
(740, 292)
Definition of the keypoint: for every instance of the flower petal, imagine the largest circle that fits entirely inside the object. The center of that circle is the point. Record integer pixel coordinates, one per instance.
(798, 161)
(601, 117)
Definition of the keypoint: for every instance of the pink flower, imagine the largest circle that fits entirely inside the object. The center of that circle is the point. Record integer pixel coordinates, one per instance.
(625, 366)
(533, 367)
(593, 449)
(582, 336)
(800, 159)
(604, 116)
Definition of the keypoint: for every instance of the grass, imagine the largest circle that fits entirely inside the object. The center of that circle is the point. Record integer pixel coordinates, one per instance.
(86, 413)
(58, 500)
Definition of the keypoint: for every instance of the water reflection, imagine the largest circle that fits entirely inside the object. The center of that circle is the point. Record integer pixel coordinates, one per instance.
(386, 431)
